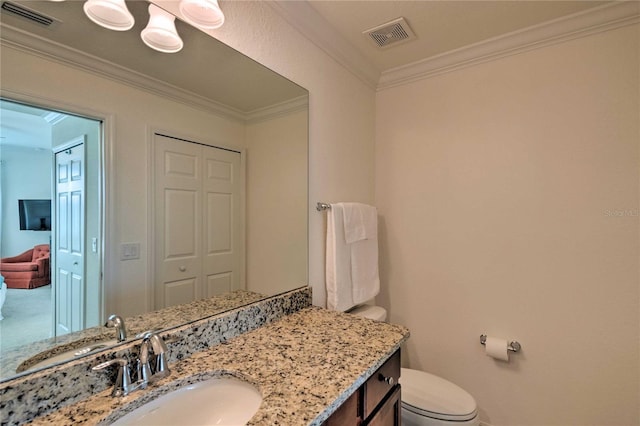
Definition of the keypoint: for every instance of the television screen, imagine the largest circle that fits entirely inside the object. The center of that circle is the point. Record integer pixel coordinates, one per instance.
(35, 215)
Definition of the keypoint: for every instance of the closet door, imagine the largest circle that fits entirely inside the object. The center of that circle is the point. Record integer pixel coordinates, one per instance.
(178, 221)
(198, 224)
(222, 222)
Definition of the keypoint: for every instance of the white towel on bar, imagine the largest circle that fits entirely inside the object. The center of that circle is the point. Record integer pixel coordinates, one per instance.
(360, 222)
(338, 262)
(352, 268)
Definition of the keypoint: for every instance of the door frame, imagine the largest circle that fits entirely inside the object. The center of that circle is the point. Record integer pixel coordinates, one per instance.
(151, 263)
(106, 185)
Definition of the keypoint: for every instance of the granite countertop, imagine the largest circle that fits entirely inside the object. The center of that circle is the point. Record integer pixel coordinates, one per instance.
(23, 357)
(305, 366)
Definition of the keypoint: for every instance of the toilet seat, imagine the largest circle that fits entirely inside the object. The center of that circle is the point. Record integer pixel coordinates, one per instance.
(431, 396)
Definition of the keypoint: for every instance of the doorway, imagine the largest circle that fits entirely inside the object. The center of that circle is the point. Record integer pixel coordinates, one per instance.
(31, 140)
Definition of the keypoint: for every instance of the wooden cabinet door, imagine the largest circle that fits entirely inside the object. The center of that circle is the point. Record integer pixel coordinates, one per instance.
(347, 414)
(389, 413)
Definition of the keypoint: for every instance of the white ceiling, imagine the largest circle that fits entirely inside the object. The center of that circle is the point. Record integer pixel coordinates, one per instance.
(23, 125)
(439, 26)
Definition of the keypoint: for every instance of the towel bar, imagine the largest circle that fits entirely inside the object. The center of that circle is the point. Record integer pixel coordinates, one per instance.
(323, 206)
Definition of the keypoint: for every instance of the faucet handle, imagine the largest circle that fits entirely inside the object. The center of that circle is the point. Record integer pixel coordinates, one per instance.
(123, 384)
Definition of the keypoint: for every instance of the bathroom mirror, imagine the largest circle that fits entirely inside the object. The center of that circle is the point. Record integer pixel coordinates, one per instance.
(213, 80)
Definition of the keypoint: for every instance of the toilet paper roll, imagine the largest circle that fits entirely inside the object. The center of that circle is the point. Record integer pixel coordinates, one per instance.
(497, 348)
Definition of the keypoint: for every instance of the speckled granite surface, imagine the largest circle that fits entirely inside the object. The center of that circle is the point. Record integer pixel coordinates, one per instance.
(36, 394)
(305, 365)
(22, 358)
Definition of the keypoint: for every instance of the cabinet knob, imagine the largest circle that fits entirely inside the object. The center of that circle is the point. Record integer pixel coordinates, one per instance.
(388, 380)
(182, 268)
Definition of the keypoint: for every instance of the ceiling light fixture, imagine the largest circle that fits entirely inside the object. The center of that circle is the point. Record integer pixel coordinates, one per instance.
(160, 33)
(202, 13)
(110, 14)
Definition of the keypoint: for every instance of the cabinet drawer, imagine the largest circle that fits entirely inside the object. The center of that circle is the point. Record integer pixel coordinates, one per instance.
(381, 383)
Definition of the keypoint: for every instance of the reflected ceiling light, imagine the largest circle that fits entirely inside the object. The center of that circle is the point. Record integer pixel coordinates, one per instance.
(111, 14)
(160, 33)
(202, 13)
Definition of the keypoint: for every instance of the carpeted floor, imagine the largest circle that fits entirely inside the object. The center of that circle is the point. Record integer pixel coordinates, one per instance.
(27, 316)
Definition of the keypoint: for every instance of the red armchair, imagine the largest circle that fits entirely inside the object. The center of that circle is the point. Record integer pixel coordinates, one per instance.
(27, 270)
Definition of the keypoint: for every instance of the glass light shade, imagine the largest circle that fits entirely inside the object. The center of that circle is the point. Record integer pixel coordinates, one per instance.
(202, 13)
(111, 14)
(160, 33)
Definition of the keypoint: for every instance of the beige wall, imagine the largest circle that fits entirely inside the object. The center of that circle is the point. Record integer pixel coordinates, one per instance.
(277, 203)
(509, 197)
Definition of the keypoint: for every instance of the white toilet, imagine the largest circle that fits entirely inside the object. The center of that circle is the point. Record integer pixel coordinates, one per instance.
(428, 400)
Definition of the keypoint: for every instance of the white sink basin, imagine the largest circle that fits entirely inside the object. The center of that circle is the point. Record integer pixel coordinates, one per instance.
(219, 401)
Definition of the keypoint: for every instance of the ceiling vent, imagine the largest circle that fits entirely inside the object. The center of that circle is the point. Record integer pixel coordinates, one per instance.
(390, 34)
(29, 14)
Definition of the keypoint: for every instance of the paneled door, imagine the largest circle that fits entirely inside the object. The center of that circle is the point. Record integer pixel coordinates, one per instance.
(69, 238)
(199, 244)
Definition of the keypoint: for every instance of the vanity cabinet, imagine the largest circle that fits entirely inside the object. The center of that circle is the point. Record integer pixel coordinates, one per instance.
(376, 402)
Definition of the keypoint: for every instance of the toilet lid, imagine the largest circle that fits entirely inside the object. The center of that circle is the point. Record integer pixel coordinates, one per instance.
(375, 313)
(433, 396)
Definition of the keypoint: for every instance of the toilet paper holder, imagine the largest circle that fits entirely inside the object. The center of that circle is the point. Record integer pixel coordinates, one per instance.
(514, 346)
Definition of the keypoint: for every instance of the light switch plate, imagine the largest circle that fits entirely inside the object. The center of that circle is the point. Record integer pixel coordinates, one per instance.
(129, 251)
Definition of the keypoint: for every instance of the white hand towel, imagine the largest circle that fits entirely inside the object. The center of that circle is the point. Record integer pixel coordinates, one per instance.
(363, 222)
(338, 263)
(360, 222)
(354, 229)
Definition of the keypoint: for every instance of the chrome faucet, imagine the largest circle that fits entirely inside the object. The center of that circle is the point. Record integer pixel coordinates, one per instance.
(114, 321)
(146, 370)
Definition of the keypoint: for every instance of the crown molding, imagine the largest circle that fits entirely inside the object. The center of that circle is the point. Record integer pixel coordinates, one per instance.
(38, 46)
(304, 18)
(273, 111)
(313, 26)
(582, 24)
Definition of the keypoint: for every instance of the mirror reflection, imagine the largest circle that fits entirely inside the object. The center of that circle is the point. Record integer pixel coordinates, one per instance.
(194, 168)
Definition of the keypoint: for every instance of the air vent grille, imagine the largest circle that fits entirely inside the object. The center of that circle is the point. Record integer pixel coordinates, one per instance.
(27, 13)
(391, 33)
